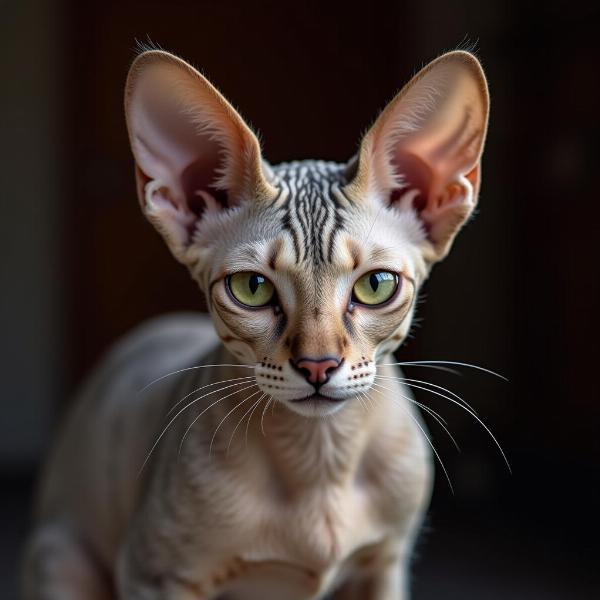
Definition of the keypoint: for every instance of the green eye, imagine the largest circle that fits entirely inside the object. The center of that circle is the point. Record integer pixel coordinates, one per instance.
(251, 289)
(375, 287)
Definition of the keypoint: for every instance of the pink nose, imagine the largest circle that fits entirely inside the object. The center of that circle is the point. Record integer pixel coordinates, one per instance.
(317, 371)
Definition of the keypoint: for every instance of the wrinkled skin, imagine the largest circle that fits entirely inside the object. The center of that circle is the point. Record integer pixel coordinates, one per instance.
(291, 463)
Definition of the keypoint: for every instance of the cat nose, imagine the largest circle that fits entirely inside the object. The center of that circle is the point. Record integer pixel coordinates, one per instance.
(316, 371)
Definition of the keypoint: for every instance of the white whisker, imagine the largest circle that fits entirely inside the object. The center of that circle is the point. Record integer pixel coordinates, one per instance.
(360, 398)
(436, 367)
(181, 411)
(262, 417)
(240, 422)
(474, 415)
(212, 439)
(191, 369)
(368, 400)
(371, 400)
(439, 387)
(244, 379)
(445, 362)
(440, 420)
(429, 442)
(250, 417)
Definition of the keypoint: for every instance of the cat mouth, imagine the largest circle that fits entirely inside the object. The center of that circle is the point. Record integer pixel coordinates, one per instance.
(317, 398)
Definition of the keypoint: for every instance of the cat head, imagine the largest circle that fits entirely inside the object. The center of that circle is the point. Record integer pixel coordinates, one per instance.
(310, 269)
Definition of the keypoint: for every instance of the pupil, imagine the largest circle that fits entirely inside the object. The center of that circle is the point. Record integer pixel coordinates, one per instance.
(374, 281)
(254, 282)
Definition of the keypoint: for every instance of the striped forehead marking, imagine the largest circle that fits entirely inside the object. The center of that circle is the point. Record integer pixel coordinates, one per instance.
(313, 212)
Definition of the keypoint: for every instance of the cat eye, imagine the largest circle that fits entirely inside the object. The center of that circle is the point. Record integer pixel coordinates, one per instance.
(375, 288)
(251, 289)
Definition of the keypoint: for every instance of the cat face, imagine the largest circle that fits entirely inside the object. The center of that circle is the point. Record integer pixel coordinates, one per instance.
(303, 287)
(310, 269)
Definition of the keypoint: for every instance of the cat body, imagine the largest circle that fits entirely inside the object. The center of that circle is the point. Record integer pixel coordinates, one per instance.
(282, 514)
(278, 453)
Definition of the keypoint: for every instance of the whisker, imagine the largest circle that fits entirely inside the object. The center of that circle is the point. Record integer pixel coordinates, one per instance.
(430, 444)
(371, 400)
(439, 387)
(440, 420)
(181, 411)
(212, 439)
(474, 415)
(447, 362)
(191, 369)
(201, 413)
(262, 417)
(244, 379)
(368, 398)
(360, 398)
(436, 367)
(239, 423)
(250, 417)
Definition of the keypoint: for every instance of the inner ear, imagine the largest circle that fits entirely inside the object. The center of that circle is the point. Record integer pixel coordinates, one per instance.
(194, 153)
(423, 152)
(199, 177)
(415, 176)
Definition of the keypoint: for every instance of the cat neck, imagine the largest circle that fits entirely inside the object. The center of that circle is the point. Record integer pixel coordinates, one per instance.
(320, 450)
(305, 451)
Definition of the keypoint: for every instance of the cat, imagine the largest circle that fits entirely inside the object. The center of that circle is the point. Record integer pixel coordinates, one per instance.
(291, 462)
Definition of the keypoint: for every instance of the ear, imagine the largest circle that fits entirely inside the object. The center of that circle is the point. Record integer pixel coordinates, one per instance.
(424, 151)
(194, 154)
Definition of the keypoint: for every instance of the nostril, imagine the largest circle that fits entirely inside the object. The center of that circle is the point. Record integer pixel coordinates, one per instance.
(316, 371)
(306, 372)
(329, 370)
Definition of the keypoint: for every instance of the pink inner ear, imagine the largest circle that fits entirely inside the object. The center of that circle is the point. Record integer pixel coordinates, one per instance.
(423, 152)
(180, 221)
(198, 181)
(194, 154)
(184, 135)
(176, 152)
(432, 189)
(414, 174)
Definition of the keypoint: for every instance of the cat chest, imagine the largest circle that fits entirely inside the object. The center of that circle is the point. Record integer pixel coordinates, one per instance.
(302, 549)
(265, 535)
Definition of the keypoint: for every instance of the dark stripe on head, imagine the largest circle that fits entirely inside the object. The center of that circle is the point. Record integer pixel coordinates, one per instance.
(287, 225)
(311, 213)
(274, 253)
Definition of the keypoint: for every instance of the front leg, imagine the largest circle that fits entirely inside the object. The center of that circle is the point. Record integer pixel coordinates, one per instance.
(160, 588)
(137, 581)
(382, 574)
(387, 584)
(58, 566)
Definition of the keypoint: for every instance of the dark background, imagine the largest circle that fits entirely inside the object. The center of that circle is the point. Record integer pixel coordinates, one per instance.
(519, 293)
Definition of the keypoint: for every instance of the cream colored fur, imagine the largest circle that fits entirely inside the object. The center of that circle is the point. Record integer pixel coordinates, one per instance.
(249, 493)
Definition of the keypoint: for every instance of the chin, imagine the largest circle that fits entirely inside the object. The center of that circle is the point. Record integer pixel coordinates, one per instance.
(316, 405)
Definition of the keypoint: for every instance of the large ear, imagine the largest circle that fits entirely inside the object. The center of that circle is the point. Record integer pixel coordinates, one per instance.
(424, 150)
(194, 154)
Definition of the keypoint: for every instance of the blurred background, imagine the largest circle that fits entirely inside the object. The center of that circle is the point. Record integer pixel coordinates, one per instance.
(519, 294)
